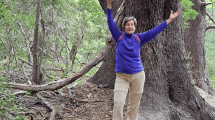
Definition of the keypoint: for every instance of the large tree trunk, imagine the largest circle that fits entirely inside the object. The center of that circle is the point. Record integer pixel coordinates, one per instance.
(169, 93)
(194, 39)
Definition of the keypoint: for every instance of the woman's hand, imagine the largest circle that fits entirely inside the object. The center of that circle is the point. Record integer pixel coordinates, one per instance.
(173, 16)
(109, 4)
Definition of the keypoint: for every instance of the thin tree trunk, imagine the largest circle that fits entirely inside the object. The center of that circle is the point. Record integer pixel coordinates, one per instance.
(35, 61)
(73, 53)
(39, 73)
(75, 46)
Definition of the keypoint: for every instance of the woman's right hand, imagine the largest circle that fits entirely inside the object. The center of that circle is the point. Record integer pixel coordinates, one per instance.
(109, 3)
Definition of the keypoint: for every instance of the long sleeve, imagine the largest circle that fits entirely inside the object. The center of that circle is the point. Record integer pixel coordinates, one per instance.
(149, 35)
(112, 25)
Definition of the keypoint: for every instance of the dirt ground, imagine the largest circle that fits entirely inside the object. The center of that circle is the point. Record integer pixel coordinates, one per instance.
(85, 102)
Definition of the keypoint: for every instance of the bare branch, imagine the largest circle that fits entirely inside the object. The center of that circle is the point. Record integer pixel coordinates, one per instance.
(47, 69)
(53, 69)
(210, 17)
(210, 27)
(205, 3)
(26, 62)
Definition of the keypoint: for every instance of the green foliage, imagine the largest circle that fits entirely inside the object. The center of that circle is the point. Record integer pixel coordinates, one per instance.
(9, 108)
(210, 55)
(79, 82)
(188, 12)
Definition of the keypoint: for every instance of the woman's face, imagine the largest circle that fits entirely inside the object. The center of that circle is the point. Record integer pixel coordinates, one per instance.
(129, 27)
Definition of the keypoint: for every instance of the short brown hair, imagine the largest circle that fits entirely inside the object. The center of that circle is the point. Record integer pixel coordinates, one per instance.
(126, 19)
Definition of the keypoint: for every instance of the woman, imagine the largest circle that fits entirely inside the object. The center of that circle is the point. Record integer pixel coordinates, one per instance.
(129, 70)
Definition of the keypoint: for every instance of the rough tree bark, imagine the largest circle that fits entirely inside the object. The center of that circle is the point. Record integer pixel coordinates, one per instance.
(194, 39)
(35, 61)
(169, 93)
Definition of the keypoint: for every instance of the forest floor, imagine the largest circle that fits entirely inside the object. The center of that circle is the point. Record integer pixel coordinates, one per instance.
(80, 102)
(85, 102)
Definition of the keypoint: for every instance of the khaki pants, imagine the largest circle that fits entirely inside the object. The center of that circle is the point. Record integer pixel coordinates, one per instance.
(124, 82)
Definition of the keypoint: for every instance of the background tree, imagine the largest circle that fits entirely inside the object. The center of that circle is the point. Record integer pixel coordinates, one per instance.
(210, 42)
(194, 37)
(36, 72)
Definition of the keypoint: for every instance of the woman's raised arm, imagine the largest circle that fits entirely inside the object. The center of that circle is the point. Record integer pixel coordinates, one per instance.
(111, 24)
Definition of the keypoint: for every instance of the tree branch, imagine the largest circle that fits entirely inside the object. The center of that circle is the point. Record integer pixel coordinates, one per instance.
(25, 62)
(210, 17)
(205, 3)
(210, 27)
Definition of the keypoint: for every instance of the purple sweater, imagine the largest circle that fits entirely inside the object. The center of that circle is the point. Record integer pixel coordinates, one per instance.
(127, 54)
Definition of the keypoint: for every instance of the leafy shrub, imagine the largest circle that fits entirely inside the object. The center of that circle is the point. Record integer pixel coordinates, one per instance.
(188, 12)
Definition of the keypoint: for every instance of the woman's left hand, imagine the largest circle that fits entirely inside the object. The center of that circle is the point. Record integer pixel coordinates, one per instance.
(173, 16)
